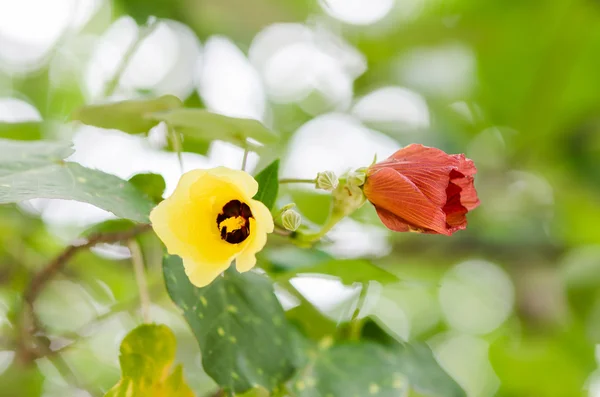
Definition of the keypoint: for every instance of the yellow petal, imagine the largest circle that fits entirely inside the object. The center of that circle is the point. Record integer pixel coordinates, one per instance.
(187, 222)
(260, 225)
(200, 274)
(244, 181)
(263, 216)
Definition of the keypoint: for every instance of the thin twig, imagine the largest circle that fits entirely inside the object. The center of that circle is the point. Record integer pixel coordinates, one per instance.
(140, 277)
(297, 180)
(29, 322)
(245, 159)
(113, 83)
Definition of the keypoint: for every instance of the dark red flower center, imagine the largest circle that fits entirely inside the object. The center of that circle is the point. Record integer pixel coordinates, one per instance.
(234, 222)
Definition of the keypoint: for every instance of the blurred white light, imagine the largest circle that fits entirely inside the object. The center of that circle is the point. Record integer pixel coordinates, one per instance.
(107, 56)
(229, 155)
(407, 310)
(60, 294)
(228, 83)
(312, 67)
(14, 110)
(446, 71)
(325, 293)
(164, 62)
(465, 358)
(26, 37)
(335, 142)
(357, 12)
(476, 297)
(352, 239)
(6, 358)
(278, 36)
(393, 109)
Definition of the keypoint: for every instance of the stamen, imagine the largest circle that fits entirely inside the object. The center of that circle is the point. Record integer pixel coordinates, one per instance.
(234, 222)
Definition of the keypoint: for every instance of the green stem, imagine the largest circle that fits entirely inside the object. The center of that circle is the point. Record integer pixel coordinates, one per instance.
(356, 323)
(140, 277)
(334, 218)
(296, 180)
(113, 83)
(245, 159)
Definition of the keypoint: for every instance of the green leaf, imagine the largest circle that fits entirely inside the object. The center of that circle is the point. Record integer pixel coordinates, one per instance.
(289, 257)
(31, 170)
(153, 185)
(109, 226)
(25, 131)
(201, 124)
(416, 361)
(21, 380)
(376, 370)
(128, 116)
(313, 205)
(239, 324)
(349, 271)
(147, 354)
(268, 184)
(353, 369)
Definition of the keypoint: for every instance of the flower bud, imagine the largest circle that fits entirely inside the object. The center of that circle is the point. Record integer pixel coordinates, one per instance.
(358, 177)
(327, 180)
(291, 220)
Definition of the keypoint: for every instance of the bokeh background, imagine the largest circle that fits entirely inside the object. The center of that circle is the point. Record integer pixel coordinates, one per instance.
(510, 306)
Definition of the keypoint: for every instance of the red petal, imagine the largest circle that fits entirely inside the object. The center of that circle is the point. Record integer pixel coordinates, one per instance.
(391, 221)
(395, 193)
(428, 168)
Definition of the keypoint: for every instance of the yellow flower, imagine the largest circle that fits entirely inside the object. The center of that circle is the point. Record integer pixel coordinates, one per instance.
(210, 220)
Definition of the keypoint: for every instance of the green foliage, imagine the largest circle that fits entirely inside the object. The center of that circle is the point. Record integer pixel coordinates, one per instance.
(200, 124)
(25, 131)
(239, 324)
(147, 355)
(417, 363)
(349, 271)
(375, 370)
(153, 185)
(36, 170)
(268, 184)
(28, 381)
(132, 116)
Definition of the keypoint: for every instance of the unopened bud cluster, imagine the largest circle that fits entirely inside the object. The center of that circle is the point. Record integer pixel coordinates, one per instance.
(291, 220)
(327, 180)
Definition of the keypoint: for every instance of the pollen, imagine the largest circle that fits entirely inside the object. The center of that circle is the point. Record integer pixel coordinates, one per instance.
(234, 222)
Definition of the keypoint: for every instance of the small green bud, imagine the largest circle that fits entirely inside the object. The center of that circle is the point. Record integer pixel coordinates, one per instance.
(358, 177)
(327, 180)
(291, 220)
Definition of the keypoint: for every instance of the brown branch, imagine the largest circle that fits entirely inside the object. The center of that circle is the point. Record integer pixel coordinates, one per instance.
(29, 323)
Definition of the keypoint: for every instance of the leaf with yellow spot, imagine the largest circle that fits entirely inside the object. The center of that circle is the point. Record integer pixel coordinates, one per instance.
(147, 356)
(240, 327)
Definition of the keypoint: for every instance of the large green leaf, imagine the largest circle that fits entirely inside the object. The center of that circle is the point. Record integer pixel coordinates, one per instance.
(268, 184)
(147, 354)
(349, 271)
(239, 324)
(202, 124)
(131, 116)
(31, 170)
(415, 360)
(352, 369)
(375, 370)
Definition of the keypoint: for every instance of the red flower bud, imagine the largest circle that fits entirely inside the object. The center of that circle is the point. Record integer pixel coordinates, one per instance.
(422, 189)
